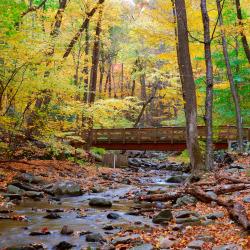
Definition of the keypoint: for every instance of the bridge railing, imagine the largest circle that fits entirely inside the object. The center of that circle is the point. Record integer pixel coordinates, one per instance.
(161, 135)
(138, 135)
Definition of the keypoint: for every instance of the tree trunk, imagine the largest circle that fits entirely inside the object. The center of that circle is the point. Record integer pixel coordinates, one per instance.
(109, 83)
(237, 68)
(95, 59)
(82, 28)
(169, 196)
(243, 36)
(102, 70)
(58, 18)
(209, 86)
(188, 88)
(86, 62)
(122, 82)
(133, 88)
(141, 65)
(144, 98)
(57, 26)
(231, 80)
(152, 106)
(77, 66)
(107, 86)
(113, 80)
(143, 87)
(106, 83)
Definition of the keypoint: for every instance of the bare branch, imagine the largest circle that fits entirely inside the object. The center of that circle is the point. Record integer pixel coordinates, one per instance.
(217, 21)
(81, 29)
(17, 89)
(214, 29)
(193, 37)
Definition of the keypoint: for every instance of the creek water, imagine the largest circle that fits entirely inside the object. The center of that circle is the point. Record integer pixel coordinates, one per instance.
(17, 233)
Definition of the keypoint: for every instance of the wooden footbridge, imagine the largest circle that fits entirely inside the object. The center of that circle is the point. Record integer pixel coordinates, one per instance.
(164, 138)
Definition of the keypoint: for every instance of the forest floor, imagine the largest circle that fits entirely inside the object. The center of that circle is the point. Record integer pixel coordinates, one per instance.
(136, 196)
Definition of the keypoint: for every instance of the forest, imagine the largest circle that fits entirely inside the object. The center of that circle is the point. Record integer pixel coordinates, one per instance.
(124, 124)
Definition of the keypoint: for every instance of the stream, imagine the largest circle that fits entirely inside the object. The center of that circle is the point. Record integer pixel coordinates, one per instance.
(93, 220)
(78, 215)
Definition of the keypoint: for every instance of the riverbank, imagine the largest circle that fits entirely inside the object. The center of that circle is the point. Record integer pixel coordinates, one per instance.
(63, 205)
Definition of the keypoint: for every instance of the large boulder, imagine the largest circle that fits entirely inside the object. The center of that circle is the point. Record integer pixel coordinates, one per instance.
(228, 247)
(30, 178)
(66, 230)
(100, 202)
(196, 244)
(185, 214)
(187, 217)
(223, 157)
(34, 194)
(113, 216)
(97, 189)
(166, 243)
(66, 188)
(176, 179)
(15, 190)
(63, 245)
(171, 166)
(143, 247)
(52, 216)
(126, 239)
(94, 237)
(185, 200)
(188, 221)
(27, 247)
(212, 194)
(214, 216)
(163, 217)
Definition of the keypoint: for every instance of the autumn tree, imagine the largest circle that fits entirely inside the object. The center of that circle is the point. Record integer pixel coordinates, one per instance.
(242, 33)
(46, 63)
(209, 86)
(95, 58)
(188, 87)
(231, 79)
(86, 62)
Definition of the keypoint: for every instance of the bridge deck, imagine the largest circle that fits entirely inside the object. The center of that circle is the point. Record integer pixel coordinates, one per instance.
(165, 138)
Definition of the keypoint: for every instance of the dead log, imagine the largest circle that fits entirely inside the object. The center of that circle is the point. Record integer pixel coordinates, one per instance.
(231, 179)
(196, 191)
(208, 183)
(236, 211)
(203, 196)
(229, 188)
(162, 197)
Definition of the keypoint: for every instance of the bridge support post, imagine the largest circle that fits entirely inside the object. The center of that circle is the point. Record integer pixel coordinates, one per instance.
(114, 162)
(229, 144)
(89, 139)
